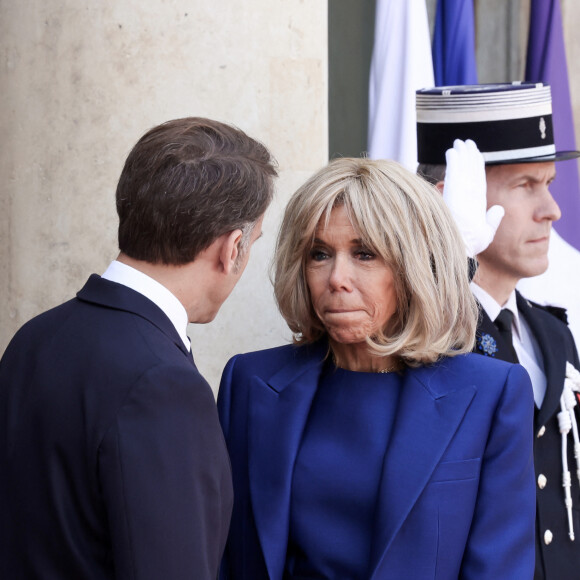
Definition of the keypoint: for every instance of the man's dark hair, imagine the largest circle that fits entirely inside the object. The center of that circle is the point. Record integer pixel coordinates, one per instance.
(432, 173)
(186, 183)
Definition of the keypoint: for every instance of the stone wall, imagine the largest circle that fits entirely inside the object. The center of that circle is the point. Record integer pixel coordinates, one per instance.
(83, 81)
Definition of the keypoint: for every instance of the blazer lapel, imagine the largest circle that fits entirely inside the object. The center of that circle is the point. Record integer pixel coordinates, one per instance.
(428, 416)
(278, 411)
(553, 356)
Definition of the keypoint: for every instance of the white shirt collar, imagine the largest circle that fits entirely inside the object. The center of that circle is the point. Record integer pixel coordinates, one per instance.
(156, 292)
(492, 308)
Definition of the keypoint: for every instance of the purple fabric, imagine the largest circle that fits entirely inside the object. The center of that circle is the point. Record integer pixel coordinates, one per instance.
(546, 62)
(454, 43)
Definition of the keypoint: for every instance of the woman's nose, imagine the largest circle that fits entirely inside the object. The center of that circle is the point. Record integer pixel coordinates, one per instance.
(340, 274)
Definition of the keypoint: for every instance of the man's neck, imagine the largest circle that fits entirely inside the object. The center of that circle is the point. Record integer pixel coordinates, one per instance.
(171, 277)
(193, 284)
(498, 286)
(162, 273)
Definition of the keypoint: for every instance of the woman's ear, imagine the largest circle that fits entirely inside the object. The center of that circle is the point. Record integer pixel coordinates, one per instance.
(439, 185)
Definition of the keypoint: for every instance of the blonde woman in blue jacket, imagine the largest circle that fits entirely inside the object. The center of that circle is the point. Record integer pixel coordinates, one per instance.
(375, 446)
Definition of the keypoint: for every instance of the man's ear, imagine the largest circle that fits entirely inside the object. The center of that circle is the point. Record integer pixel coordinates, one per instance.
(230, 250)
(439, 185)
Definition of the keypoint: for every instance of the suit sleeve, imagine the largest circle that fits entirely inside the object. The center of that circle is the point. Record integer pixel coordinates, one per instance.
(165, 479)
(501, 538)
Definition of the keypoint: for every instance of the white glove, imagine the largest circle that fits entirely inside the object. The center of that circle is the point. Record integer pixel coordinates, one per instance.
(464, 193)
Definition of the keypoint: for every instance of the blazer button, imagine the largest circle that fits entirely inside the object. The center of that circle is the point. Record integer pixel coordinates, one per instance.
(541, 431)
(542, 480)
(548, 537)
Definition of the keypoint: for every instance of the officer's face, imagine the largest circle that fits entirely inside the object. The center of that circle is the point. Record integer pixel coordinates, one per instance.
(520, 247)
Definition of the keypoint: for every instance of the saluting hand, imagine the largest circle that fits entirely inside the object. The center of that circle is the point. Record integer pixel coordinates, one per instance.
(464, 193)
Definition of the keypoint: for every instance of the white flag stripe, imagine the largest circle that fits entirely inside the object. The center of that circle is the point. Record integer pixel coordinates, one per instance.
(401, 64)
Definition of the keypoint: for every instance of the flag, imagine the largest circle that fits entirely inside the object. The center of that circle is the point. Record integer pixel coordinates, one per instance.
(454, 43)
(401, 64)
(546, 62)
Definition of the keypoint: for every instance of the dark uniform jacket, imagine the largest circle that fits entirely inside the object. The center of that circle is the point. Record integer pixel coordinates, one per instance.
(557, 557)
(112, 460)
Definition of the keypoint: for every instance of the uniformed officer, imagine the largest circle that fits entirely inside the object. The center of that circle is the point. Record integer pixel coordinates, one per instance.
(512, 127)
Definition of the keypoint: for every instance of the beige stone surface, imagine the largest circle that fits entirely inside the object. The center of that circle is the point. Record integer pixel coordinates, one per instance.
(81, 82)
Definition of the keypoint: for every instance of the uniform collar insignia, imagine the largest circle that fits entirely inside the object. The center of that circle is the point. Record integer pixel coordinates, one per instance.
(486, 344)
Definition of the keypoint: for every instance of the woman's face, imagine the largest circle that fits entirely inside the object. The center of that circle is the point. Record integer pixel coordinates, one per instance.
(352, 289)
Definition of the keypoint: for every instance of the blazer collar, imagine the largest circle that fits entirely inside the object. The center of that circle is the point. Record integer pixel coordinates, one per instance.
(430, 411)
(110, 294)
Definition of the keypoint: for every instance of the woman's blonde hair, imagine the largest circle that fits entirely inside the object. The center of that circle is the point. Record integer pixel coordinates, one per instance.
(403, 219)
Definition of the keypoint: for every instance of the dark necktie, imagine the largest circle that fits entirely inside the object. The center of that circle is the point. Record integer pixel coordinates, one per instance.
(503, 322)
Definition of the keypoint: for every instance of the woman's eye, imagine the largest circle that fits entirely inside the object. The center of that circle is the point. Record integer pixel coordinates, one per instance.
(365, 255)
(318, 255)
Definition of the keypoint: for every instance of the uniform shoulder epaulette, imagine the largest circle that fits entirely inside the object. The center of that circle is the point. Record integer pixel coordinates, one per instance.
(557, 311)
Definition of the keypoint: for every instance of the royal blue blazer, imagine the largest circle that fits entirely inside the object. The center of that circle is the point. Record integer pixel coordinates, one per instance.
(457, 492)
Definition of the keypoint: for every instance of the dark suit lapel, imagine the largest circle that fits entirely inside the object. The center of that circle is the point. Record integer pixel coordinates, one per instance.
(553, 355)
(488, 340)
(278, 411)
(113, 295)
(428, 416)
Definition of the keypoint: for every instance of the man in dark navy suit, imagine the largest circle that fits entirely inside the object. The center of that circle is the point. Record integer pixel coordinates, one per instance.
(512, 127)
(112, 461)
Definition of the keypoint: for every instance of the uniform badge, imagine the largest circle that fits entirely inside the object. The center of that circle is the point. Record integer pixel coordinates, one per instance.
(486, 344)
(542, 128)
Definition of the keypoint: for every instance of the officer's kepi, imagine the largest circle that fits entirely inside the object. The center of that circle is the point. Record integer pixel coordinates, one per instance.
(510, 123)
